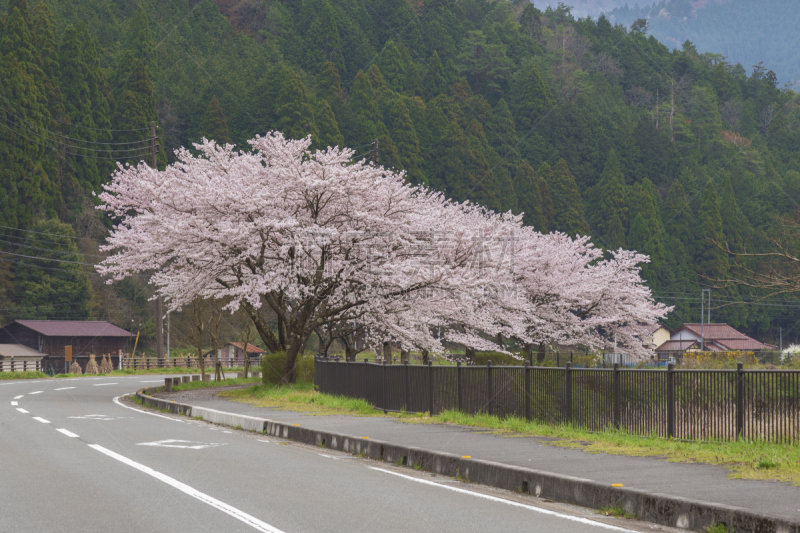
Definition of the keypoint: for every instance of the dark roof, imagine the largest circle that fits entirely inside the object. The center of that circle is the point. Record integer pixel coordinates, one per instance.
(74, 328)
(726, 337)
(676, 346)
(250, 347)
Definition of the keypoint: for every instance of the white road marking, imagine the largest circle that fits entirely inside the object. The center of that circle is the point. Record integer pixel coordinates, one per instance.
(176, 443)
(507, 502)
(251, 521)
(21, 410)
(335, 458)
(156, 381)
(40, 419)
(18, 397)
(96, 417)
(103, 384)
(116, 401)
(14, 403)
(65, 388)
(67, 432)
(37, 392)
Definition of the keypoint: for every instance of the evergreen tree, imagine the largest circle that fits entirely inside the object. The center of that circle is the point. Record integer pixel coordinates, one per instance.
(329, 84)
(646, 234)
(135, 108)
(329, 134)
(294, 111)
(567, 202)
(528, 198)
(433, 79)
(610, 214)
(402, 132)
(214, 126)
(677, 216)
(53, 286)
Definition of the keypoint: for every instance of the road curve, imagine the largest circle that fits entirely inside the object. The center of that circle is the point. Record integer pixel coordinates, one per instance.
(75, 460)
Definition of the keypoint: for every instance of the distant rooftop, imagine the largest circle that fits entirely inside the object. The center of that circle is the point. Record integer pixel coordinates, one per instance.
(74, 328)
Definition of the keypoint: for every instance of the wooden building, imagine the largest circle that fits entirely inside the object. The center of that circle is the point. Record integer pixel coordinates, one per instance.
(51, 337)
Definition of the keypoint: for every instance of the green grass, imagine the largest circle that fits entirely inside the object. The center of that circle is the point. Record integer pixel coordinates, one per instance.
(27, 374)
(717, 528)
(192, 385)
(616, 512)
(743, 459)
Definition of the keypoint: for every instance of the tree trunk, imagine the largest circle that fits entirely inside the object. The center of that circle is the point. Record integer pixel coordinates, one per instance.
(425, 357)
(387, 352)
(540, 353)
(526, 352)
(470, 354)
(290, 370)
(405, 356)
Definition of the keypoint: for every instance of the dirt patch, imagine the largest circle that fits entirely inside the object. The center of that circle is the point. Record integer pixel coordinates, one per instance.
(198, 394)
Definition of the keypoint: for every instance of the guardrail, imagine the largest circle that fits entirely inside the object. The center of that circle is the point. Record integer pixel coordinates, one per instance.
(684, 404)
(145, 363)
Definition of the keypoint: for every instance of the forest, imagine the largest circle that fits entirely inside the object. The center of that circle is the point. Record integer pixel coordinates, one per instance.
(584, 126)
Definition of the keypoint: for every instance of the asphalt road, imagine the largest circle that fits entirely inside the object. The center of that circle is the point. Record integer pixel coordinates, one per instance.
(75, 458)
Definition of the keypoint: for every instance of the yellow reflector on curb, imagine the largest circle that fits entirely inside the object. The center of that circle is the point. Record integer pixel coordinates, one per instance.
(466, 457)
(617, 485)
(295, 424)
(364, 437)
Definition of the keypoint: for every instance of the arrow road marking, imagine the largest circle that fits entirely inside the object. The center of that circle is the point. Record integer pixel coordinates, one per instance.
(18, 397)
(176, 443)
(96, 417)
(251, 521)
(14, 403)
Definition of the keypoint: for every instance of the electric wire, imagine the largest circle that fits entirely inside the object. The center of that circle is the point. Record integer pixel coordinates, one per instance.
(68, 124)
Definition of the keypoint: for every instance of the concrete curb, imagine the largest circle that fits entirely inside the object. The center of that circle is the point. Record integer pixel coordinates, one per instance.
(653, 507)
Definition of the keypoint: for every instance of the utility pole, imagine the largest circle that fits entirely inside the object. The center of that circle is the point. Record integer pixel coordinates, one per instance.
(168, 328)
(702, 315)
(375, 157)
(160, 300)
(781, 341)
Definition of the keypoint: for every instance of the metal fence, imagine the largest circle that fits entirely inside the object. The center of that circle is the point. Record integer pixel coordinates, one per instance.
(145, 363)
(683, 404)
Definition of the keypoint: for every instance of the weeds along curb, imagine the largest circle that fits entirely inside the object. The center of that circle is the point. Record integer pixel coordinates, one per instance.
(654, 507)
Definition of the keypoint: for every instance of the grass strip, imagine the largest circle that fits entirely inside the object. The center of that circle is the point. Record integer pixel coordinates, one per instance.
(744, 459)
(28, 374)
(192, 385)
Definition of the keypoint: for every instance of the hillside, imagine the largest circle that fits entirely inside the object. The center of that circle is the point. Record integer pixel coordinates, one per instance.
(743, 31)
(583, 126)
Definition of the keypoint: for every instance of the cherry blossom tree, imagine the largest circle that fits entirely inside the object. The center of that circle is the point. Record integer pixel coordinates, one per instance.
(318, 241)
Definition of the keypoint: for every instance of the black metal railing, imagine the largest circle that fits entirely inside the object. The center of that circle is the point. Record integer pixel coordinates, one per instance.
(684, 404)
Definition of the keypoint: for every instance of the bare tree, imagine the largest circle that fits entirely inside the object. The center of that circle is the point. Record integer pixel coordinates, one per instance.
(199, 318)
(639, 96)
(766, 116)
(215, 317)
(248, 334)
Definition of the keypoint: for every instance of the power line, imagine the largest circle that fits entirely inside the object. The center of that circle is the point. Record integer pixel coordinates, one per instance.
(67, 145)
(48, 259)
(63, 252)
(78, 125)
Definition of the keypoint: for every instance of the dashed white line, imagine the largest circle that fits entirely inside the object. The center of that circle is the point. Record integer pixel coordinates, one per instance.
(67, 432)
(507, 502)
(14, 403)
(64, 388)
(103, 384)
(156, 381)
(40, 419)
(250, 520)
(21, 410)
(18, 397)
(37, 392)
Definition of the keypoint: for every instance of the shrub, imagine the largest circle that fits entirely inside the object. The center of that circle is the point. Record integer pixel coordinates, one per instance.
(272, 366)
(497, 359)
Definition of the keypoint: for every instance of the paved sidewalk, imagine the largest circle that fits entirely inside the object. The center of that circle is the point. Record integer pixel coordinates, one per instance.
(696, 481)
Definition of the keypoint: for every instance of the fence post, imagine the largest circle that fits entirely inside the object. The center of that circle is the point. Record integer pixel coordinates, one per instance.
(670, 401)
(489, 382)
(430, 387)
(616, 400)
(558, 359)
(527, 391)
(408, 385)
(739, 400)
(458, 385)
(568, 391)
